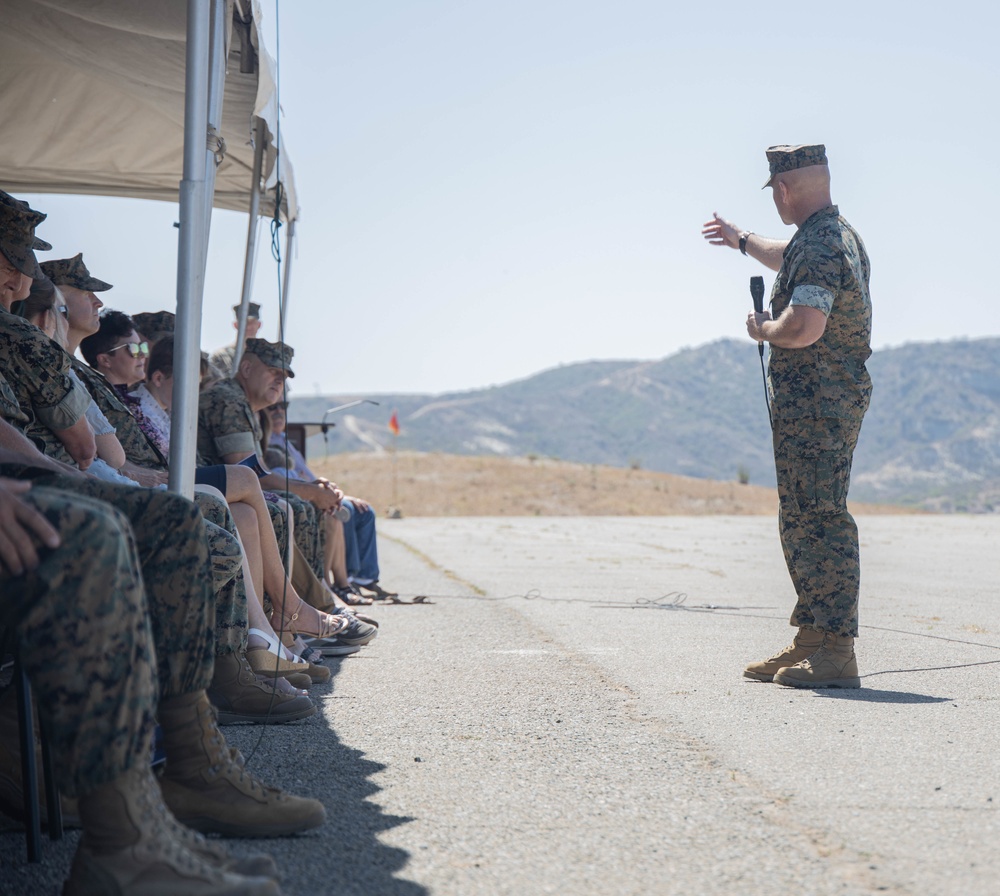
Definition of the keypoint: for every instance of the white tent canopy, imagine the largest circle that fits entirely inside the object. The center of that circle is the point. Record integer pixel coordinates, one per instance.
(92, 101)
(150, 99)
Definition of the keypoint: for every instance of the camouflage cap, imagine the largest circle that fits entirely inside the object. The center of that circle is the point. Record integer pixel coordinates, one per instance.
(273, 354)
(73, 272)
(253, 310)
(17, 235)
(154, 324)
(788, 158)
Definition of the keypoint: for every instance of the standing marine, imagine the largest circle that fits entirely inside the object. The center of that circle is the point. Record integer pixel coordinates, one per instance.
(819, 332)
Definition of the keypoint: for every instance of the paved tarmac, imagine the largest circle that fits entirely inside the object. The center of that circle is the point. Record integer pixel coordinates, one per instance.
(569, 717)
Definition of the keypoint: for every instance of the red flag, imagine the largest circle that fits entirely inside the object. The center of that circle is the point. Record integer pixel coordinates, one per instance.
(394, 424)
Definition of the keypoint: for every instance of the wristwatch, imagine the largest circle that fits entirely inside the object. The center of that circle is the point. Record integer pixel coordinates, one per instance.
(743, 240)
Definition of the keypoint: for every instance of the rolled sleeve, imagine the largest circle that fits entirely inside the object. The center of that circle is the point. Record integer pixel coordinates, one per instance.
(813, 297)
(242, 442)
(65, 413)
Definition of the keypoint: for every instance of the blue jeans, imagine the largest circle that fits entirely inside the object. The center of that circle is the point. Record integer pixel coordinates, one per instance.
(359, 542)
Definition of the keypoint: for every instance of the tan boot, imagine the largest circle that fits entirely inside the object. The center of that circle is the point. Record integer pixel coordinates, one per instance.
(832, 666)
(128, 849)
(803, 645)
(207, 787)
(240, 696)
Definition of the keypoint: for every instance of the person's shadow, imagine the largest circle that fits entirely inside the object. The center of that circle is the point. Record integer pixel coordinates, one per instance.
(870, 695)
(344, 855)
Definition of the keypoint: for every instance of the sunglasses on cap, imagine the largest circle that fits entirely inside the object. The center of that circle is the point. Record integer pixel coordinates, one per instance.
(133, 348)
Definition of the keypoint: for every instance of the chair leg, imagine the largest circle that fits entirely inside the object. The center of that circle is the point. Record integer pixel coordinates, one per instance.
(29, 773)
(53, 802)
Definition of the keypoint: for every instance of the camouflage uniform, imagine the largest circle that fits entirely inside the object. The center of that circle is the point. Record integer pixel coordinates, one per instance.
(43, 398)
(819, 395)
(222, 360)
(37, 370)
(86, 606)
(228, 425)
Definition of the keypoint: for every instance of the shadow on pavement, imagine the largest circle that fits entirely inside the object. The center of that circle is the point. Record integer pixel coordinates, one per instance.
(308, 758)
(869, 695)
(305, 758)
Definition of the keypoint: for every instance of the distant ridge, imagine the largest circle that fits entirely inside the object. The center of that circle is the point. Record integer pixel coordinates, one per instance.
(931, 438)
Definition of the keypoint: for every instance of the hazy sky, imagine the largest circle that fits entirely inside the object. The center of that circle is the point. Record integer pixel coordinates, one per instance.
(488, 190)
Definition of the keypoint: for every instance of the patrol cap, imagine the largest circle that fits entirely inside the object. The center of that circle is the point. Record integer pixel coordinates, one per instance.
(788, 158)
(253, 310)
(73, 272)
(273, 354)
(154, 324)
(17, 235)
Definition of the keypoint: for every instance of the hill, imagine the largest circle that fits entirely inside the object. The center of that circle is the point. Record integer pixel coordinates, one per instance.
(931, 438)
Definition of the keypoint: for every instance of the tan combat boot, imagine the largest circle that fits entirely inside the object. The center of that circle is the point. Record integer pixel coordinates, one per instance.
(832, 666)
(240, 696)
(803, 645)
(207, 787)
(128, 849)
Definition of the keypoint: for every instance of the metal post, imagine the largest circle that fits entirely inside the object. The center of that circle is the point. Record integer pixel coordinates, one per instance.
(216, 88)
(258, 166)
(190, 252)
(289, 245)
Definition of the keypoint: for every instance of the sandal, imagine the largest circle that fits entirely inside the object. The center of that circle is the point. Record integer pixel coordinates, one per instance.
(271, 661)
(326, 626)
(350, 594)
(378, 591)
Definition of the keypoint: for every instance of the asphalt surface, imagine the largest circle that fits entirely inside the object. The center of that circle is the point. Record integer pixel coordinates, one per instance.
(569, 716)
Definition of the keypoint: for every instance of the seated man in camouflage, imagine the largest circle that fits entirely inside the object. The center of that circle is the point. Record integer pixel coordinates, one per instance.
(99, 704)
(206, 784)
(236, 691)
(229, 430)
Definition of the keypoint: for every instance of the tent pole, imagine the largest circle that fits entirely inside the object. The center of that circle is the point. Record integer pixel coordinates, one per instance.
(258, 167)
(190, 252)
(216, 89)
(289, 245)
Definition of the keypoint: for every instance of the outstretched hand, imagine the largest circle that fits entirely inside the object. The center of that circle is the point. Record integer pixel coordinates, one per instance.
(720, 232)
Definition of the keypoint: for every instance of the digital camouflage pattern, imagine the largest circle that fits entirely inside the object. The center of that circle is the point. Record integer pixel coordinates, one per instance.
(789, 158)
(825, 266)
(222, 361)
(819, 395)
(154, 324)
(218, 525)
(226, 554)
(100, 717)
(73, 272)
(819, 537)
(226, 423)
(273, 354)
(37, 372)
(152, 628)
(17, 234)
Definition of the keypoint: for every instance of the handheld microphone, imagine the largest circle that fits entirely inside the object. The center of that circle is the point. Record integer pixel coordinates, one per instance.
(757, 291)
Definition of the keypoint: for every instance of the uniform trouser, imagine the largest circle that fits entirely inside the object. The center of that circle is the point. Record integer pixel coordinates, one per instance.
(227, 574)
(218, 533)
(309, 533)
(303, 579)
(819, 537)
(109, 622)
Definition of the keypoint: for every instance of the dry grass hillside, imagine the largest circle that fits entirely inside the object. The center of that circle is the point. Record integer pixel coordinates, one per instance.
(454, 485)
